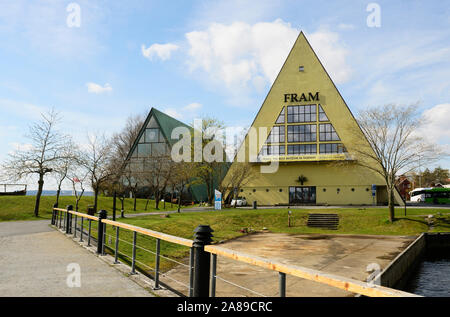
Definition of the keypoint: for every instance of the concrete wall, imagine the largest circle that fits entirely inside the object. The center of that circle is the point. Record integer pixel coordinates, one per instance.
(399, 270)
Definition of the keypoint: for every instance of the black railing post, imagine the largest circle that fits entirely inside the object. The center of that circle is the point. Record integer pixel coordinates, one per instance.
(202, 260)
(101, 215)
(54, 214)
(69, 219)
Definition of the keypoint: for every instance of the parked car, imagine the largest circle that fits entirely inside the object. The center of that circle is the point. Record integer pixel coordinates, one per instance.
(239, 202)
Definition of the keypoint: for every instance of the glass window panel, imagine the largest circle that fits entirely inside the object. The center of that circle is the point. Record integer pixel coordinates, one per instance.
(152, 123)
(151, 135)
(322, 115)
(280, 118)
(331, 148)
(158, 149)
(327, 133)
(144, 150)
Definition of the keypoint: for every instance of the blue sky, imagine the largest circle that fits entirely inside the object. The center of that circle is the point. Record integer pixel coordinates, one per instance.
(213, 58)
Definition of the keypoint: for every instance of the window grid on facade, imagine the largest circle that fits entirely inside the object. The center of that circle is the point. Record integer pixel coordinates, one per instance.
(322, 115)
(272, 150)
(277, 135)
(302, 133)
(327, 133)
(331, 148)
(298, 114)
(300, 149)
(280, 118)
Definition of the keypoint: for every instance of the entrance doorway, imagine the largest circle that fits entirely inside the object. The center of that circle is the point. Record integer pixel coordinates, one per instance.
(302, 195)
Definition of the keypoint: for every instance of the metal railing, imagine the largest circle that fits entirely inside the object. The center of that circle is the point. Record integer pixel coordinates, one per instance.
(72, 222)
(202, 257)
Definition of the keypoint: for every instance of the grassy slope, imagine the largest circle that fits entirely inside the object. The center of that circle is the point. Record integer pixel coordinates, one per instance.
(22, 207)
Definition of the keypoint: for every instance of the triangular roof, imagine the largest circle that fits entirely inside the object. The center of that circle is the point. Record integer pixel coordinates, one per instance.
(166, 124)
(313, 78)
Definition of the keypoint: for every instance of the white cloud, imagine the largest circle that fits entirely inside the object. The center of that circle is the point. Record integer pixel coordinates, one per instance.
(98, 89)
(20, 147)
(193, 106)
(173, 113)
(162, 51)
(345, 26)
(184, 113)
(240, 56)
(332, 54)
(436, 125)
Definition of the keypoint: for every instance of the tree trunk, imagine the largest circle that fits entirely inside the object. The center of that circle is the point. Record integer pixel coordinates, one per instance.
(58, 192)
(156, 200)
(95, 199)
(391, 204)
(146, 203)
(134, 196)
(38, 195)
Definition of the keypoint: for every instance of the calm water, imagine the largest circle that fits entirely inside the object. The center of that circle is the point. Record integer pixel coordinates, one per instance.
(432, 277)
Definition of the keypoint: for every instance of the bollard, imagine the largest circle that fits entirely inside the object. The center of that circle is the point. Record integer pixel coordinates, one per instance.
(282, 284)
(101, 215)
(69, 220)
(255, 205)
(202, 260)
(54, 214)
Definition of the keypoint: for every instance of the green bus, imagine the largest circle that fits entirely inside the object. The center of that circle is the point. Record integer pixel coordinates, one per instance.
(437, 195)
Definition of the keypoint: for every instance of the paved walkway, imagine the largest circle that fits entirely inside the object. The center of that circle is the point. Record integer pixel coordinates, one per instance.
(34, 259)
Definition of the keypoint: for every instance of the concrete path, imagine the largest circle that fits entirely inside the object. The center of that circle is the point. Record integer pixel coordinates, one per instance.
(34, 261)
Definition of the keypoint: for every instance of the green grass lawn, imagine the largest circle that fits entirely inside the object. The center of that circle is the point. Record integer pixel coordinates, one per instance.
(22, 207)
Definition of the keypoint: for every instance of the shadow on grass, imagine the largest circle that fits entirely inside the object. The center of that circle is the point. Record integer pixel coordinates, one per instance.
(412, 220)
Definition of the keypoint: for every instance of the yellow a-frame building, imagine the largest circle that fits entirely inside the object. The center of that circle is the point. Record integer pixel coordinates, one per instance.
(308, 128)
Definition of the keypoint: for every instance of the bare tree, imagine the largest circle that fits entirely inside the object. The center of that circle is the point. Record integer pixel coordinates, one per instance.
(157, 174)
(122, 143)
(213, 163)
(391, 144)
(42, 155)
(182, 179)
(64, 166)
(96, 160)
(78, 180)
(237, 177)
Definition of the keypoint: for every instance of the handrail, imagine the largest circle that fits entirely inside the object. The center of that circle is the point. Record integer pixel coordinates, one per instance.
(344, 283)
(151, 233)
(80, 214)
